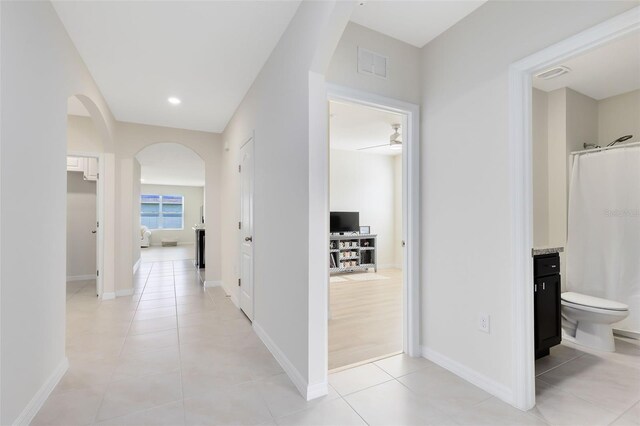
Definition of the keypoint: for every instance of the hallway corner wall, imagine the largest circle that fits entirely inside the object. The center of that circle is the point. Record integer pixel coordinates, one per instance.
(41, 69)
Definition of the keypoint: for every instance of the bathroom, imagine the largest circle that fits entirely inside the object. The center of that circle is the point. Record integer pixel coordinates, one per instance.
(586, 225)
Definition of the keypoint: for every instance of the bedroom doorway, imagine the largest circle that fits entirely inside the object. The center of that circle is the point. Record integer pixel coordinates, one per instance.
(367, 291)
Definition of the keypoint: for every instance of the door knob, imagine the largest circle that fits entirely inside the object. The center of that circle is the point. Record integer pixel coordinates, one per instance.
(94, 231)
(248, 238)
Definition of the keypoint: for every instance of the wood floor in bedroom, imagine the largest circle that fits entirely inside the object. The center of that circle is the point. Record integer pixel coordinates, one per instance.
(365, 318)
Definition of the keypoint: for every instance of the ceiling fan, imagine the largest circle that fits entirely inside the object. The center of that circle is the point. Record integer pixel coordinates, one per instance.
(394, 140)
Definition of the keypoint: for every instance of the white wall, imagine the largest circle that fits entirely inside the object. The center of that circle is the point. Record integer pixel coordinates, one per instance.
(81, 220)
(572, 120)
(365, 183)
(397, 209)
(557, 166)
(126, 228)
(193, 199)
(403, 67)
(82, 135)
(619, 116)
(582, 122)
(40, 70)
(288, 307)
(540, 169)
(466, 235)
(135, 200)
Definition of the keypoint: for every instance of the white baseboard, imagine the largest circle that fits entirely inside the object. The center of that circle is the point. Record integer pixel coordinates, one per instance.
(81, 277)
(317, 390)
(308, 392)
(137, 265)
(234, 300)
(108, 296)
(480, 380)
(211, 283)
(41, 396)
(125, 292)
(232, 295)
(179, 243)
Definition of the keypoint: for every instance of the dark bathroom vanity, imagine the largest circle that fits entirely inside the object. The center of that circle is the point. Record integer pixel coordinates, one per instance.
(546, 299)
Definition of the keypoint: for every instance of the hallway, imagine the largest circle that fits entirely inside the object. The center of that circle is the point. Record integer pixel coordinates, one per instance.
(166, 355)
(177, 354)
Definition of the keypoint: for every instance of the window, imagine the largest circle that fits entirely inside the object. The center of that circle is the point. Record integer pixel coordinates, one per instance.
(162, 211)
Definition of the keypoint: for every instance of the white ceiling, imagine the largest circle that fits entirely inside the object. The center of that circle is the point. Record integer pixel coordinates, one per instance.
(170, 164)
(608, 71)
(205, 53)
(414, 22)
(355, 126)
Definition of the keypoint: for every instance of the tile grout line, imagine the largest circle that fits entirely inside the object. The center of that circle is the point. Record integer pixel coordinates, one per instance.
(95, 418)
(445, 414)
(175, 299)
(365, 388)
(560, 365)
(560, 389)
(354, 410)
(625, 412)
(252, 380)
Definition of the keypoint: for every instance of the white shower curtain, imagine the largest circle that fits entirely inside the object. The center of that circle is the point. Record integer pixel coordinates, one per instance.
(603, 247)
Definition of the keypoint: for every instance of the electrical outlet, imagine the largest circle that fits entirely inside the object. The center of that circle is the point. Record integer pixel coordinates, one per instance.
(483, 322)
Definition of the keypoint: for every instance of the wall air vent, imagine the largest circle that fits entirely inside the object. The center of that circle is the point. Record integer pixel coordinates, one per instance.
(372, 63)
(553, 72)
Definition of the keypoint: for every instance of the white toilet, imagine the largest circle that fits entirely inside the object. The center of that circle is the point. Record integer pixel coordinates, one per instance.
(587, 320)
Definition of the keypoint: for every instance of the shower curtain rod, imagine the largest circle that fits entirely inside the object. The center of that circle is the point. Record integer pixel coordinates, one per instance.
(587, 151)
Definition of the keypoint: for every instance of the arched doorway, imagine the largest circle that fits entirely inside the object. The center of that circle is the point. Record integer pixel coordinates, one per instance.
(169, 181)
(85, 239)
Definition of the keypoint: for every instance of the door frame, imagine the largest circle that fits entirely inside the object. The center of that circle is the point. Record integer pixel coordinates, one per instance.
(410, 205)
(100, 194)
(249, 140)
(520, 171)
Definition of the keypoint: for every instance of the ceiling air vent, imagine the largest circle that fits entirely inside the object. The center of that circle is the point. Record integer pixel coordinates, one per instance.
(372, 63)
(553, 72)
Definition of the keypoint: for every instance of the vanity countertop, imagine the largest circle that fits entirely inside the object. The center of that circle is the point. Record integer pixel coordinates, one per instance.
(546, 250)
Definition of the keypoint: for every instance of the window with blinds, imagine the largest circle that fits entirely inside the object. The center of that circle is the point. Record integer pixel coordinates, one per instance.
(162, 211)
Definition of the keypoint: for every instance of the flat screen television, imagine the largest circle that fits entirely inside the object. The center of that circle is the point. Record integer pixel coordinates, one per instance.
(344, 222)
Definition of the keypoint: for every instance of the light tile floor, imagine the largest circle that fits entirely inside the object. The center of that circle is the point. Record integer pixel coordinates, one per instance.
(176, 354)
(159, 253)
(576, 385)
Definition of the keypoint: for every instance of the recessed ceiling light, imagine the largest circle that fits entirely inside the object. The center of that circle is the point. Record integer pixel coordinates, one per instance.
(174, 101)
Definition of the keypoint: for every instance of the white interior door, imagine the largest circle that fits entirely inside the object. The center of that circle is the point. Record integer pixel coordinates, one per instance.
(246, 228)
